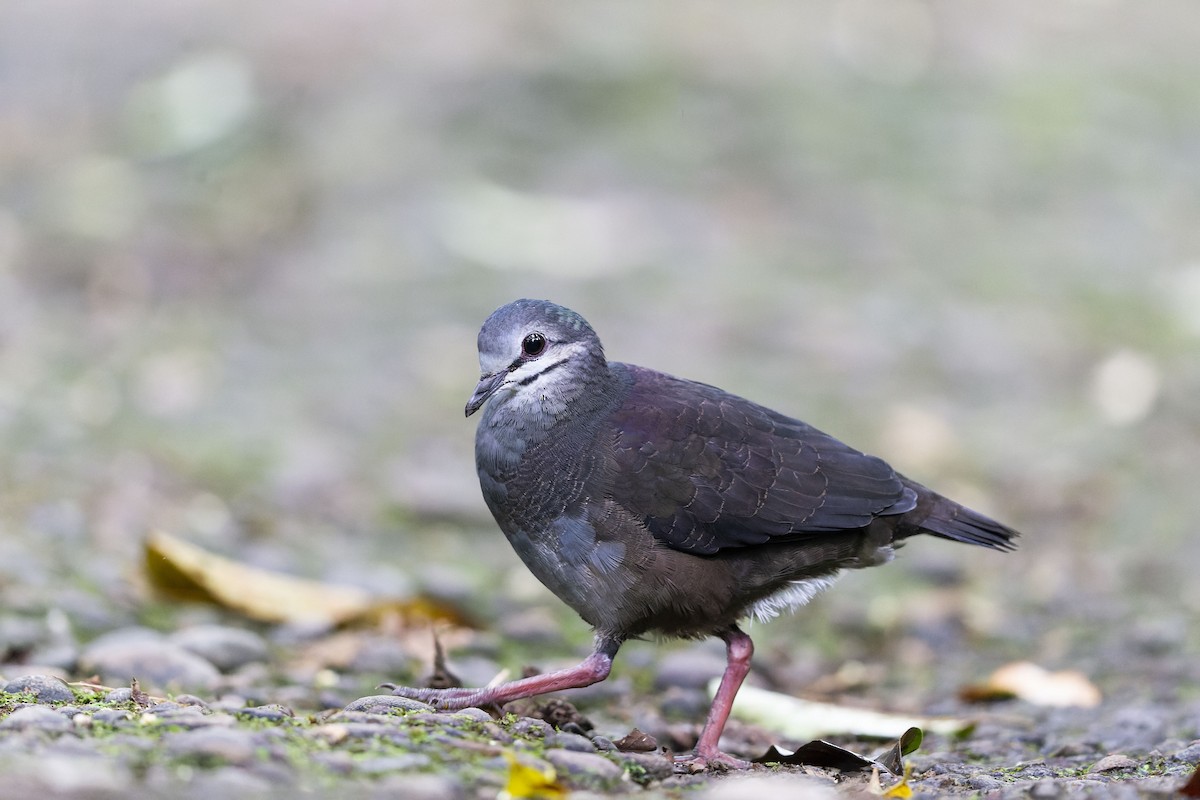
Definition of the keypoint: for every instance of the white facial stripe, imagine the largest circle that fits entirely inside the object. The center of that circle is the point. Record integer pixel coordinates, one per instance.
(530, 370)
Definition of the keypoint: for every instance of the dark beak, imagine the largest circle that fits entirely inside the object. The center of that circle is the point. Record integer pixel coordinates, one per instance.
(488, 384)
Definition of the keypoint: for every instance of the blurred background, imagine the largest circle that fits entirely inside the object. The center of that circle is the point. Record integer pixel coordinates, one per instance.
(245, 249)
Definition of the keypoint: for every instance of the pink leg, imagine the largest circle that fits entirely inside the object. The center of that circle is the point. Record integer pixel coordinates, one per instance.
(738, 651)
(592, 669)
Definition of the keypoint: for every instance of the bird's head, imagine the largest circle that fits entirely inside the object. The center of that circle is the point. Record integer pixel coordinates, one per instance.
(531, 346)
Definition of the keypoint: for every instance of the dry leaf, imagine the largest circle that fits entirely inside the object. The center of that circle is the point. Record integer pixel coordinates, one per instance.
(179, 570)
(820, 753)
(795, 718)
(1033, 684)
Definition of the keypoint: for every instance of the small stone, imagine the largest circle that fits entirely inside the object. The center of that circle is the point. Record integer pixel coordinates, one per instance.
(536, 728)
(386, 703)
(337, 761)
(585, 770)
(477, 714)
(1112, 762)
(1189, 754)
(221, 745)
(112, 716)
(227, 648)
(191, 718)
(19, 635)
(692, 667)
(380, 655)
(636, 741)
(36, 718)
(1045, 789)
(401, 763)
(337, 732)
(46, 688)
(570, 741)
(164, 708)
(272, 712)
(333, 733)
(984, 783)
(230, 781)
(122, 695)
(63, 775)
(604, 744)
(651, 766)
(756, 787)
(56, 655)
(421, 787)
(147, 656)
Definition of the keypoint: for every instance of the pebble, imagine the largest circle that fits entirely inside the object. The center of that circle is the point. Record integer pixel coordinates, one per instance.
(1045, 789)
(225, 745)
(528, 726)
(380, 655)
(653, 766)
(386, 703)
(400, 763)
(111, 716)
(476, 714)
(272, 712)
(226, 648)
(570, 741)
(585, 770)
(421, 787)
(1189, 754)
(46, 688)
(62, 776)
(146, 655)
(1112, 762)
(776, 787)
(690, 668)
(36, 718)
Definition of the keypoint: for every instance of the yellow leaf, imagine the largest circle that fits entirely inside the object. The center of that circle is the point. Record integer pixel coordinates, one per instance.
(179, 570)
(902, 790)
(529, 782)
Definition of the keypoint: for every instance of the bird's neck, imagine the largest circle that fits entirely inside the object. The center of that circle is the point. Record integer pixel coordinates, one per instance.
(536, 417)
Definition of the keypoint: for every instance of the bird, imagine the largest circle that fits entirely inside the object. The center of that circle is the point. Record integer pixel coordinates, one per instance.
(658, 506)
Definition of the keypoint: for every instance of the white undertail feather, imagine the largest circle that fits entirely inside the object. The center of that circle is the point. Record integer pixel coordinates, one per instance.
(791, 597)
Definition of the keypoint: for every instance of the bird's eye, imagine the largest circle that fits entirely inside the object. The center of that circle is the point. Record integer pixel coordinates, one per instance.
(533, 344)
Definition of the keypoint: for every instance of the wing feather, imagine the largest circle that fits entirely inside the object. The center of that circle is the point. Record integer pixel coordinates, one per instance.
(706, 470)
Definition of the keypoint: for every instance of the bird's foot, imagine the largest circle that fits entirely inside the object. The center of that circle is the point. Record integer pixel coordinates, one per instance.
(445, 699)
(701, 762)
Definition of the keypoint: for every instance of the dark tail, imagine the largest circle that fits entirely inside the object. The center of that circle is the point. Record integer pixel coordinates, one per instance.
(946, 519)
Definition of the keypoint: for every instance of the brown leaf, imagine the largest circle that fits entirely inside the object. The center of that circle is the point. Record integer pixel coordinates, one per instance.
(179, 570)
(1192, 787)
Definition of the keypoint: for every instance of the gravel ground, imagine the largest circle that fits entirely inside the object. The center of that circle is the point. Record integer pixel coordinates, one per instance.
(245, 732)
